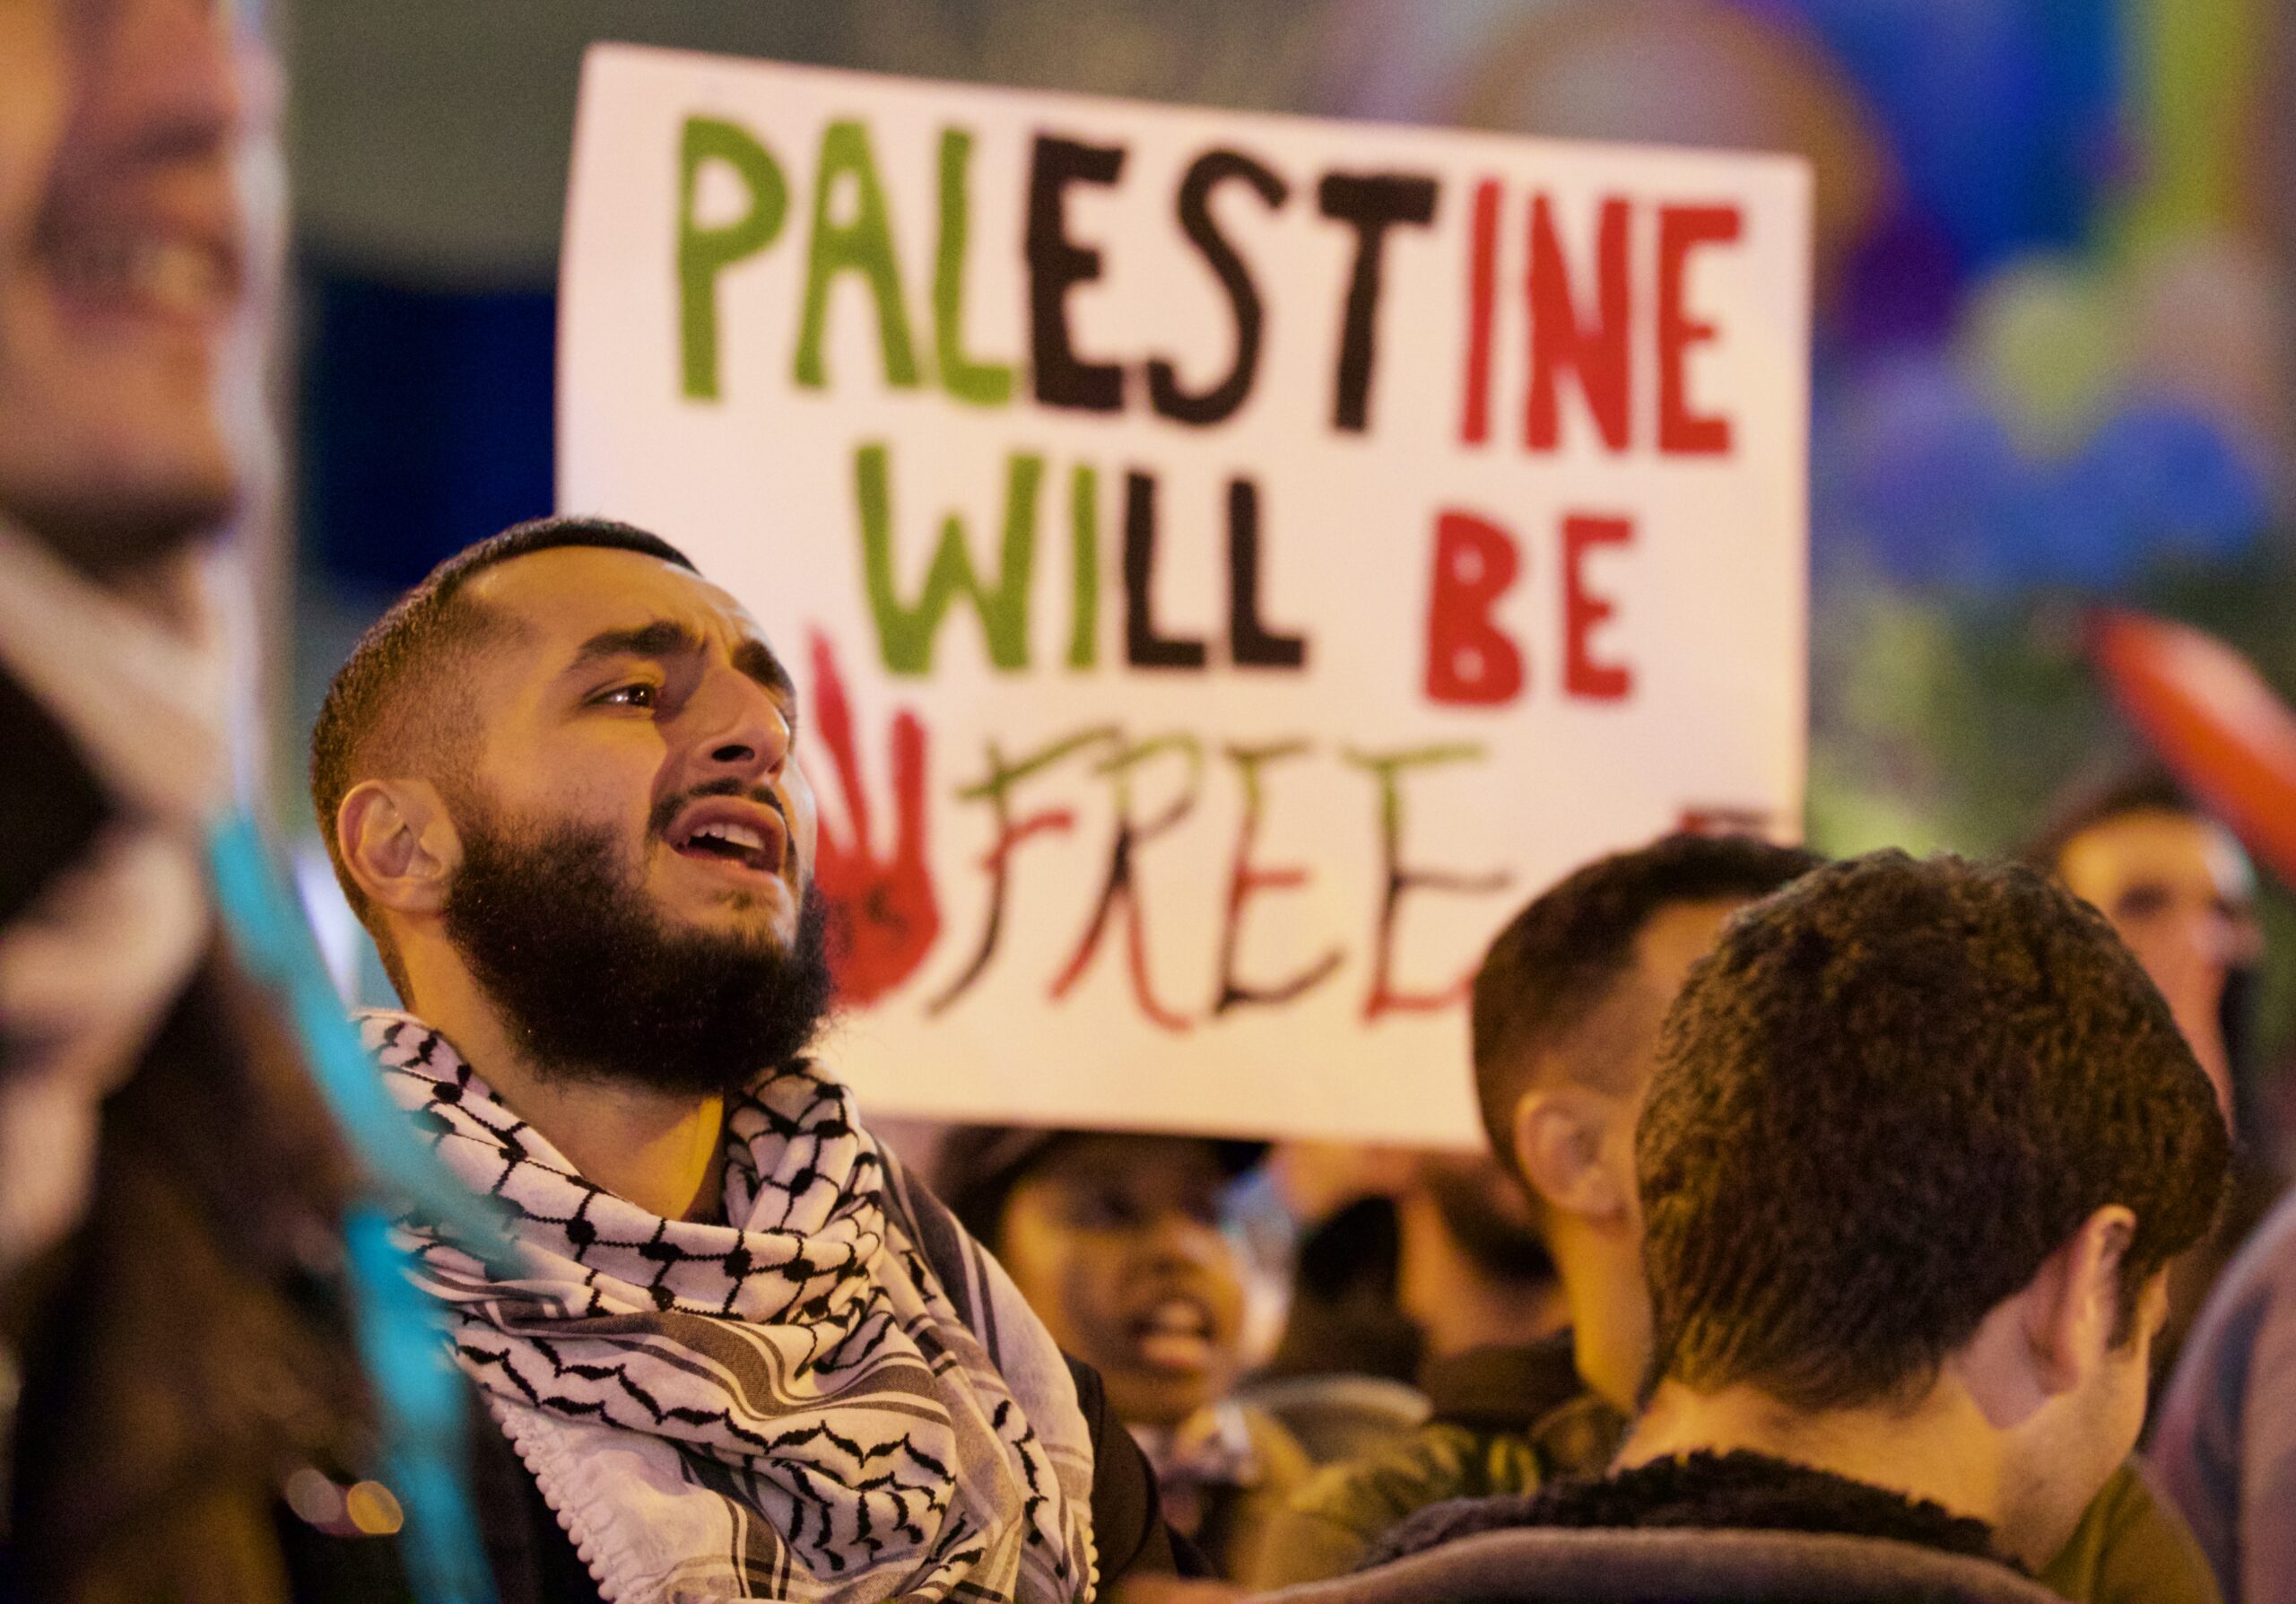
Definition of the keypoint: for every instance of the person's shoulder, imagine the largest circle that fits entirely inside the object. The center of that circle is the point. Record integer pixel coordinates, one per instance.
(2241, 1341)
(1436, 1462)
(1283, 1461)
(1512, 1555)
(1579, 1437)
(1341, 1510)
(2266, 1265)
(2132, 1547)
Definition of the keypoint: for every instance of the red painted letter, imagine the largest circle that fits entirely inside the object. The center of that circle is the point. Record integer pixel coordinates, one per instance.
(1483, 273)
(1558, 338)
(1469, 659)
(1680, 229)
(1582, 676)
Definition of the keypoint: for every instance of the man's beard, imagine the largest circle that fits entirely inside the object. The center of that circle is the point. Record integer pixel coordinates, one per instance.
(594, 986)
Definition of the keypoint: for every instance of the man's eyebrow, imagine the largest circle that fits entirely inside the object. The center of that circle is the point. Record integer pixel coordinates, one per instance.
(661, 638)
(665, 638)
(755, 659)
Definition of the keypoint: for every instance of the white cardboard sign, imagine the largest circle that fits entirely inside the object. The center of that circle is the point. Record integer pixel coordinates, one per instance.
(1254, 554)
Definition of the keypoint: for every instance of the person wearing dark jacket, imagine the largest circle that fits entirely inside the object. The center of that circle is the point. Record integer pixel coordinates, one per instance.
(1564, 1024)
(174, 1335)
(1568, 1005)
(740, 1354)
(1921, 1140)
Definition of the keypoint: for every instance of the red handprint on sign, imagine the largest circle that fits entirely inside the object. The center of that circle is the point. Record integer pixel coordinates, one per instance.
(882, 913)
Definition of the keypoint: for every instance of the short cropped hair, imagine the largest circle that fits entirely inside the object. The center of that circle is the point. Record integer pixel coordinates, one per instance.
(387, 693)
(1560, 958)
(2099, 799)
(1888, 1095)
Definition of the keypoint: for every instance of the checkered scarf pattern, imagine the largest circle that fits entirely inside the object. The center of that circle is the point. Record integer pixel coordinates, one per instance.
(837, 1396)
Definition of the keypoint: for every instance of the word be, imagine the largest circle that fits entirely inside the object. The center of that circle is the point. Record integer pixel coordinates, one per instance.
(1471, 660)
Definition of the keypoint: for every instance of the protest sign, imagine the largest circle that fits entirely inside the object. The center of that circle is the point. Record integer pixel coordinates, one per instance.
(1234, 560)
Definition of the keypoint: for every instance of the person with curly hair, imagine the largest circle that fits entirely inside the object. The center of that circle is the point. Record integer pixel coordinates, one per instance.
(1921, 1141)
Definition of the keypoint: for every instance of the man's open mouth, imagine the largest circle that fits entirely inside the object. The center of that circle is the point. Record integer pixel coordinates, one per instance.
(741, 833)
(1177, 1332)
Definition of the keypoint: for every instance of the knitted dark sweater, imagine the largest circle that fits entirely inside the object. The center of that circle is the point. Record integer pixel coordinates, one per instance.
(1738, 1492)
(1710, 1528)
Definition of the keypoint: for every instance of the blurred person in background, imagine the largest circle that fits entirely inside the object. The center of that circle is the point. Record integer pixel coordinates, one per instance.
(173, 1337)
(1565, 1025)
(2178, 888)
(1411, 1261)
(2181, 892)
(1343, 1317)
(1864, 1387)
(1123, 1245)
(2224, 1445)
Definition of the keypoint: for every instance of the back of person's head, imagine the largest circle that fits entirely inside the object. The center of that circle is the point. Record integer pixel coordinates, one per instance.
(1548, 973)
(1885, 1099)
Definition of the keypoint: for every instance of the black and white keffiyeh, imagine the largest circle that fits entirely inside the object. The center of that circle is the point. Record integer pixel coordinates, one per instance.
(835, 1396)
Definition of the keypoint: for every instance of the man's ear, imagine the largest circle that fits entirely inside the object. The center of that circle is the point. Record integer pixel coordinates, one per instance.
(399, 844)
(2044, 1340)
(2072, 1305)
(1560, 1133)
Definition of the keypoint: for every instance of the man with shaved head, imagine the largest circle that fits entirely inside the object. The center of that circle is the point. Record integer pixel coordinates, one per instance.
(741, 1355)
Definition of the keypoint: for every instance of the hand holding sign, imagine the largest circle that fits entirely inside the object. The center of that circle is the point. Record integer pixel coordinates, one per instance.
(882, 913)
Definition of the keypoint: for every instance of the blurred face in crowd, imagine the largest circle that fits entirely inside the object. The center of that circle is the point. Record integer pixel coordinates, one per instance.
(123, 264)
(1486, 1214)
(2179, 892)
(1118, 1243)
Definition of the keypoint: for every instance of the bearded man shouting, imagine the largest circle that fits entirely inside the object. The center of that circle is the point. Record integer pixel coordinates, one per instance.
(741, 1356)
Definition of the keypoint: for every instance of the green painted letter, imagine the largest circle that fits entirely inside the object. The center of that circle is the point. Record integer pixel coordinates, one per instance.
(905, 633)
(864, 246)
(703, 252)
(1084, 566)
(984, 384)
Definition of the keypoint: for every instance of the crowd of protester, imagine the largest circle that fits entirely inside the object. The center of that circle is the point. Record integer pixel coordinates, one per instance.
(1834, 1220)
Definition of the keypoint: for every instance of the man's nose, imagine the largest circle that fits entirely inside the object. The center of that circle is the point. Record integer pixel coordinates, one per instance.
(1182, 1235)
(739, 726)
(2212, 936)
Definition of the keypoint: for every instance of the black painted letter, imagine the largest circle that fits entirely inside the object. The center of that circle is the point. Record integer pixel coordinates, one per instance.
(1371, 204)
(1058, 262)
(1218, 403)
(1143, 647)
(1251, 642)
